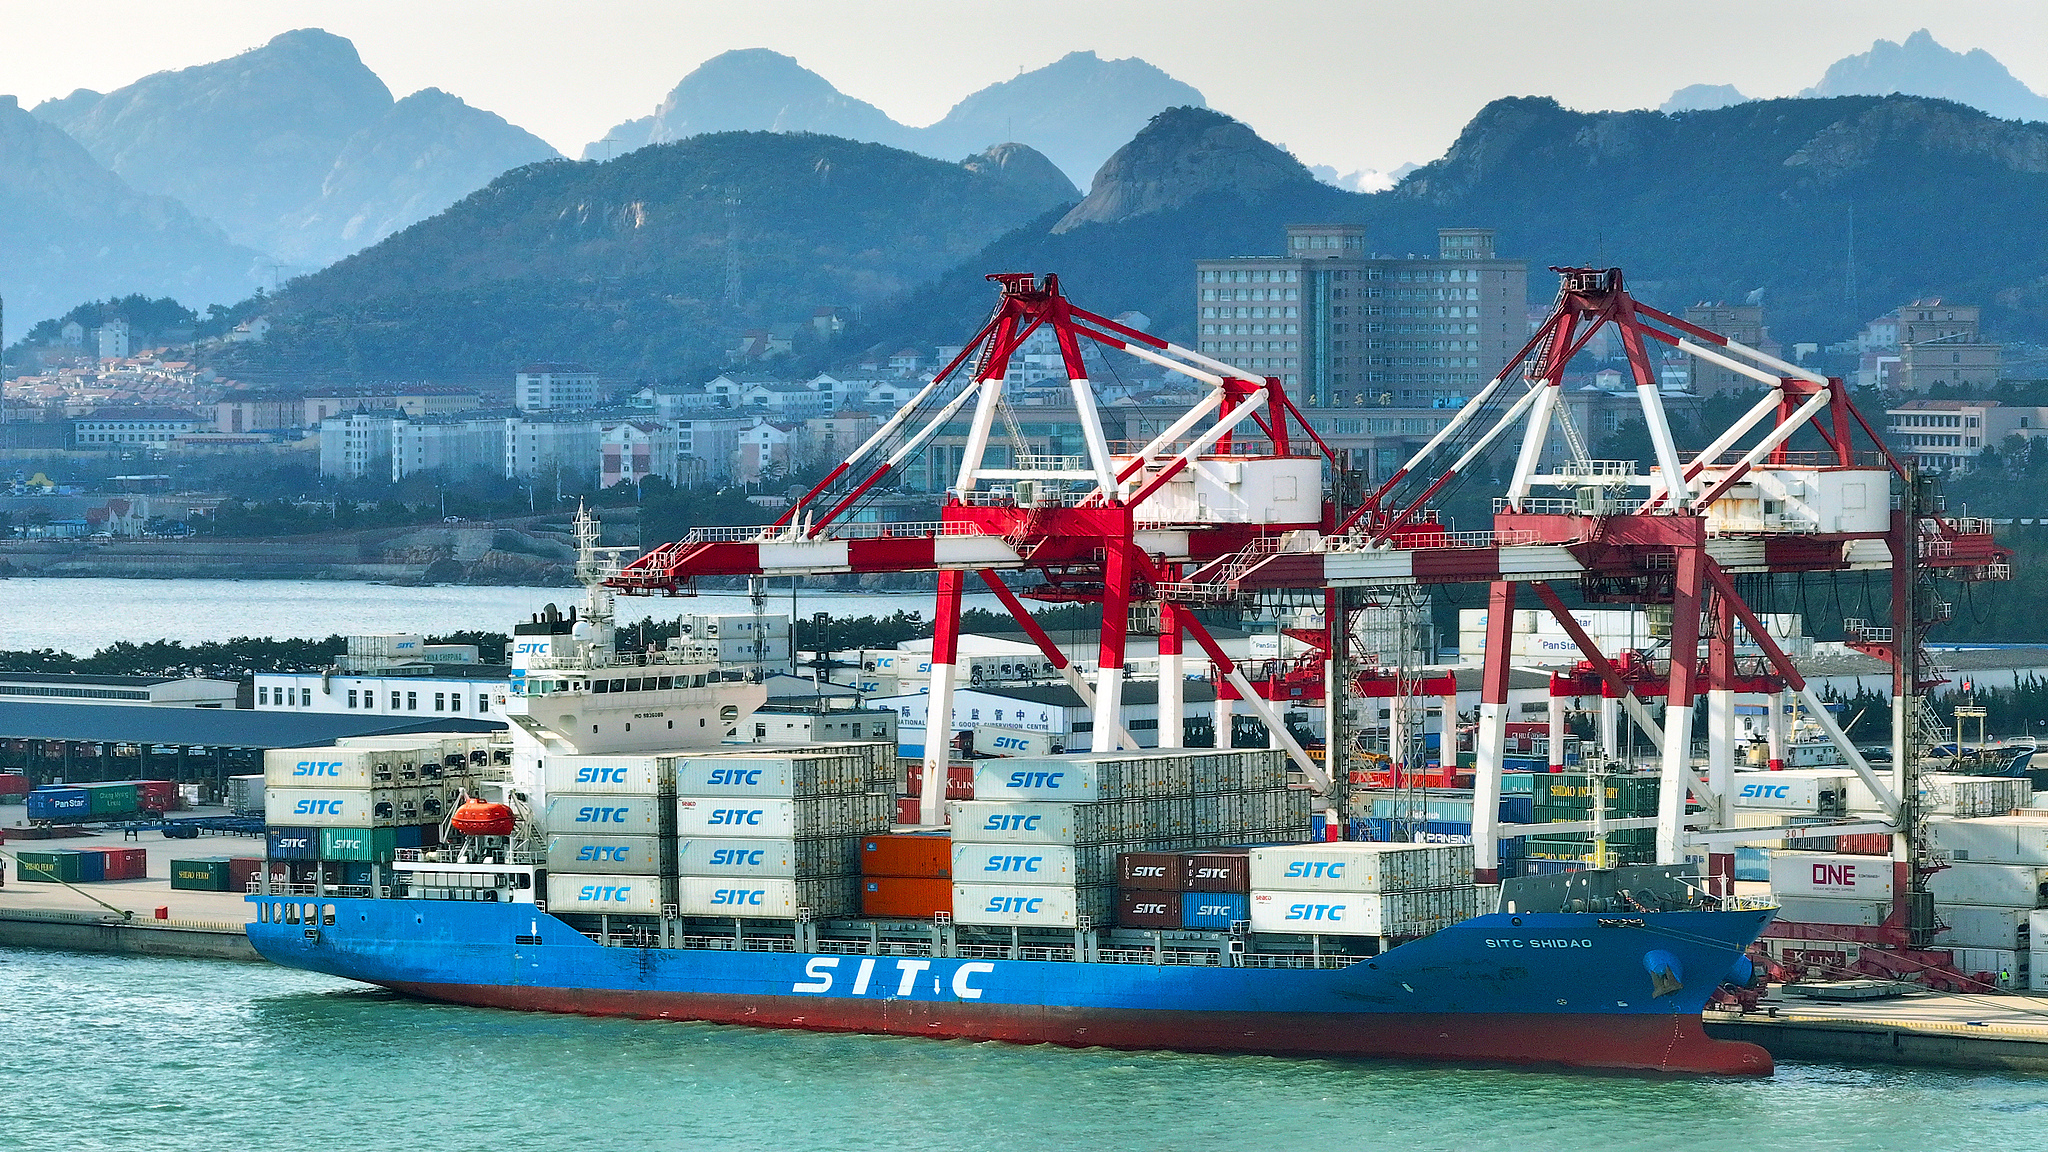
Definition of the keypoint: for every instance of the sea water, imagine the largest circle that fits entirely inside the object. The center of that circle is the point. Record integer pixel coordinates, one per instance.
(106, 1052)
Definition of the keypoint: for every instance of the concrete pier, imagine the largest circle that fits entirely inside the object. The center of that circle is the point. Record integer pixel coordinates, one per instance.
(1925, 1029)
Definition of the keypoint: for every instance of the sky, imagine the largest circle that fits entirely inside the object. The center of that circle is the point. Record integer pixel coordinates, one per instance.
(1364, 84)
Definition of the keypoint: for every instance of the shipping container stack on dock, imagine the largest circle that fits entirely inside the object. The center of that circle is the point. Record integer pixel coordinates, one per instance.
(81, 865)
(1444, 816)
(1568, 797)
(750, 834)
(1038, 846)
(1353, 889)
(107, 800)
(336, 814)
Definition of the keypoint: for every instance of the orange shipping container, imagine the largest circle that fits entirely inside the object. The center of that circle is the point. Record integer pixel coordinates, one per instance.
(905, 896)
(926, 856)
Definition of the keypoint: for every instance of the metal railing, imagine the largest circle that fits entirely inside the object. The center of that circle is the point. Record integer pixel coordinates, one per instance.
(1170, 957)
(1295, 960)
(1592, 469)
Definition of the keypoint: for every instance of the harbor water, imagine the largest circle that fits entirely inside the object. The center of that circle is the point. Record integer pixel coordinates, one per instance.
(106, 1052)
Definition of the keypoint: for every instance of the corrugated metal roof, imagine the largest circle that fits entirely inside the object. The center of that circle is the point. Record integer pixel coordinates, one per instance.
(226, 727)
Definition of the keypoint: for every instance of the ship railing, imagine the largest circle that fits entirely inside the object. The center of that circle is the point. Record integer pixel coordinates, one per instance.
(875, 947)
(728, 944)
(1747, 903)
(1165, 956)
(1005, 952)
(314, 890)
(1295, 960)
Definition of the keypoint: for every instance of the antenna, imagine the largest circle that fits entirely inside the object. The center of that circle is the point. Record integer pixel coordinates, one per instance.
(732, 252)
(1849, 270)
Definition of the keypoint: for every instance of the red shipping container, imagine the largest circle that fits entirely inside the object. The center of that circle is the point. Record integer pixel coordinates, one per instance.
(907, 810)
(959, 781)
(1864, 844)
(1221, 871)
(1148, 909)
(907, 896)
(241, 870)
(924, 856)
(13, 784)
(157, 795)
(122, 863)
(1150, 871)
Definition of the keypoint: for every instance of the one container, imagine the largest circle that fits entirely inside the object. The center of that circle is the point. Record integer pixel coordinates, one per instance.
(578, 814)
(1980, 926)
(1350, 866)
(912, 897)
(364, 844)
(607, 775)
(1831, 874)
(1214, 911)
(1832, 910)
(58, 805)
(1014, 864)
(61, 864)
(206, 874)
(1218, 872)
(1151, 871)
(1148, 908)
(631, 895)
(1998, 885)
(1017, 905)
(610, 855)
(926, 857)
(1990, 839)
(292, 844)
(1413, 912)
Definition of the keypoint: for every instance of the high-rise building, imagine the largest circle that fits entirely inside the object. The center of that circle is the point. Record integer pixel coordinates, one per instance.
(1343, 326)
(554, 388)
(1742, 323)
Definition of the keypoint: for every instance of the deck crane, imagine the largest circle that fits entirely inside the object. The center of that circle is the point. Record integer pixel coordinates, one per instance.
(1110, 523)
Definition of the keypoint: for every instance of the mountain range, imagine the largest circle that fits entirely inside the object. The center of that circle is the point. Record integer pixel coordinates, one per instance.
(1076, 110)
(1918, 67)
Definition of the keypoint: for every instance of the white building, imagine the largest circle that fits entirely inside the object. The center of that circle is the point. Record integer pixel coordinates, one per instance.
(706, 447)
(554, 387)
(113, 340)
(351, 445)
(147, 691)
(537, 445)
(475, 692)
(1051, 708)
(764, 450)
(632, 450)
(456, 444)
(132, 427)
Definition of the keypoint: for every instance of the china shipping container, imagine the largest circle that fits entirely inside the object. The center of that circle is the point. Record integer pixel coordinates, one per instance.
(928, 857)
(912, 897)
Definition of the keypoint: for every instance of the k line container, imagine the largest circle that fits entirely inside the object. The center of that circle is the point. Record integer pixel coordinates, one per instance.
(1016, 905)
(1990, 839)
(589, 892)
(611, 855)
(766, 898)
(1014, 864)
(1831, 910)
(1415, 912)
(1997, 885)
(570, 813)
(928, 857)
(1350, 866)
(1214, 911)
(607, 775)
(1980, 926)
(913, 897)
(1147, 908)
(1831, 875)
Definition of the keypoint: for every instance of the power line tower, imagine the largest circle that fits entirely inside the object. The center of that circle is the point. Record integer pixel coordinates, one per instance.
(732, 253)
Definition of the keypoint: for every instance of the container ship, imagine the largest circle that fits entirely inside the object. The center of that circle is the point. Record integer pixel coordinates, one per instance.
(1154, 899)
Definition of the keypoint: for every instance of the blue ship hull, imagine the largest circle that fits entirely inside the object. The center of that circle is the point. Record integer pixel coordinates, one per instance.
(1577, 989)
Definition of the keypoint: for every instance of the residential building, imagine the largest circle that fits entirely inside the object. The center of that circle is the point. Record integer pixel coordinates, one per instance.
(707, 447)
(358, 444)
(1949, 435)
(117, 428)
(1927, 342)
(633, 450)
(544, 443)
(113, 340)
(554, 388)
(1340, 325)
(453, 444)
(1948, 360)
(764, 451)
(1742, 323)
(831, 438)
(781, 399)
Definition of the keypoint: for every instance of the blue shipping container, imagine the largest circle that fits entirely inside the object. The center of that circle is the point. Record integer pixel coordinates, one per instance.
(1214, 911)
(1456, 809)
(59, 803)
(1752, 864)
(91, 865)
(355, 872)
(1387, 830)
(293, 844)
(1517, 783)
(409, 836)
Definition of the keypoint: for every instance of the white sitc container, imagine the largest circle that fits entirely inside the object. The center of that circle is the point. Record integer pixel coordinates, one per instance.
(589, 892)
(1012, 822)
(1356, 866)
(570, 813)
(1831, 910)
(1813, 791)
(1981, 926)
(1015, 905)
(1990, 839)
(329, 807)
(1998, 885)
(764, 858)
(1014, 863)
(747, 898)
(611, 855)
(603, 775)
(1831, 874)
(1416, 912)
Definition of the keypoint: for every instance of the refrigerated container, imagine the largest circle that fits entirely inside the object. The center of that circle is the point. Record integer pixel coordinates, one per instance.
(1018, 905)
(580, 892)
(1033, 864)
(1997, 885)
(923, 856)
(1831, 874)
(611, 855)
(912, 897)
(1407, 912)
(1351, 866)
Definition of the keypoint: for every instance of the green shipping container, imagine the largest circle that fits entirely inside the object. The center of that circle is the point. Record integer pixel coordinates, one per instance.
(206, 875)
(1562, 848)
(359, 844)
(46, 867)
(114, 799)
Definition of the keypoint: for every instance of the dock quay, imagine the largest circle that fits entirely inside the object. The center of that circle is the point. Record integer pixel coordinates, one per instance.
(102, 931)
(1924, 1029)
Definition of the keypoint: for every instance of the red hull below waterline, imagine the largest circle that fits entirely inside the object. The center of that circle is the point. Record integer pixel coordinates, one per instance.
(1648, 1043)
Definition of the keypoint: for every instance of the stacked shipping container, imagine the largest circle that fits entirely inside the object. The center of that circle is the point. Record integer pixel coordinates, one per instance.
(359, 801)
(1362, 889)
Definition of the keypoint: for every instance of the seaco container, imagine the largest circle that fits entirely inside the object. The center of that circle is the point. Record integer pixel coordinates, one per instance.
(1997, 885)
(363, 844)
(1214, 911)
(632, 895)
(925, 857)
(1016, 905)
(292, 844)
(1148, 908)
(571, 813)
(1151, 871)
(206, 874)
(914, 897)
(611, 855)
(1416, 912)
(1013, 864)
(1808, 874)
(61, 864)
(1352, 866)
(59, 804)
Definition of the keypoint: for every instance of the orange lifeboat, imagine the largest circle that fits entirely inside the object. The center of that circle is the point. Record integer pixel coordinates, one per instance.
(483, 818)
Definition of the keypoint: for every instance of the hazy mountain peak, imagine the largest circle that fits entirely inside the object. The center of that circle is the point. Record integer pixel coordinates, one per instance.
(1702, 97)
(1025, 168)
(1077, 110)
(1922, 67)
(751, 90)
(1181, 155)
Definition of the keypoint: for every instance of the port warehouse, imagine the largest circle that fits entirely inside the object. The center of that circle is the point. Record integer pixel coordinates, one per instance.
(82, 743)
(124, 691)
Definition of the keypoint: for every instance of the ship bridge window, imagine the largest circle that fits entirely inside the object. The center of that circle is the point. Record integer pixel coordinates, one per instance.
(600, 685)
